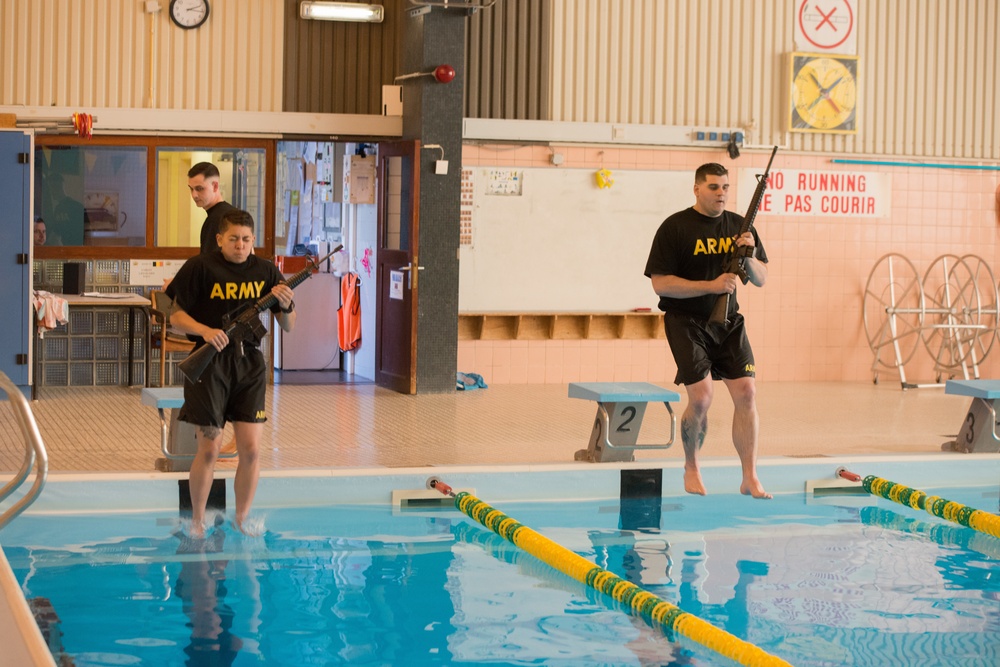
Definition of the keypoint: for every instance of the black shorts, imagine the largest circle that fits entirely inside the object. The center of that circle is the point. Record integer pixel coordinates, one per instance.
(700, 348)
(232, 389)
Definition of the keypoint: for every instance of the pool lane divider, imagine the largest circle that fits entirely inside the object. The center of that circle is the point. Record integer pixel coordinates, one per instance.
(961, 514)
(652, 609)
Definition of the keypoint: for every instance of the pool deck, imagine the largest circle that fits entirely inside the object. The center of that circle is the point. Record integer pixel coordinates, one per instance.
(362, 431)
(107, 429)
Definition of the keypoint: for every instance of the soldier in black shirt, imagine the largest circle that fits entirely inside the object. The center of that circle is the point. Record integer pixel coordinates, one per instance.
(685, 265)
(203, 181)
(206, 288)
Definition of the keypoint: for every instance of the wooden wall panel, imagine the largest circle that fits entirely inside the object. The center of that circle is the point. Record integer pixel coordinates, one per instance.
(338, 67)
(110, 53)
(929, 80)
(507, 61)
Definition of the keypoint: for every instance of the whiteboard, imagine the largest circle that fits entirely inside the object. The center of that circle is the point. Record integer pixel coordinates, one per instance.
(564, 244)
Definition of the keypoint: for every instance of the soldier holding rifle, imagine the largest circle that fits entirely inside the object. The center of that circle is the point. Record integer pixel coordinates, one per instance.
(691, 268)
(207, 289)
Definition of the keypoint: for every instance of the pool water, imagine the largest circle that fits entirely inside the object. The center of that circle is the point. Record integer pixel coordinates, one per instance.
(852, 580)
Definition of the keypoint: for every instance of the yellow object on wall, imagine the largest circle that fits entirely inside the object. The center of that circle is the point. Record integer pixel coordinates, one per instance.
(604, 178)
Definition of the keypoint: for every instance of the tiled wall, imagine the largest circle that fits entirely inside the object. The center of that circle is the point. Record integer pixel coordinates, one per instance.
(806, 324)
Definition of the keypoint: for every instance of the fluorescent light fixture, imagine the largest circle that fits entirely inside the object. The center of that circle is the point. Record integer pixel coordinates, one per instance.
(341, 11)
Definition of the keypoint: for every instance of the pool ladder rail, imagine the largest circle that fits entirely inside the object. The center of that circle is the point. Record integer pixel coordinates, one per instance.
(34, 450)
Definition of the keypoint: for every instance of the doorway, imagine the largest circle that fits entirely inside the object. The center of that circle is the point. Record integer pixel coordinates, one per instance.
(309, 222)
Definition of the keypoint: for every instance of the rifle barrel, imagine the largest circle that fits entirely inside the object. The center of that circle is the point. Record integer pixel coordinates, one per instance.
(720, 312)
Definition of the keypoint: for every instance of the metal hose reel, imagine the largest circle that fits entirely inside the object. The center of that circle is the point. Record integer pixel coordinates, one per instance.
(952, 311)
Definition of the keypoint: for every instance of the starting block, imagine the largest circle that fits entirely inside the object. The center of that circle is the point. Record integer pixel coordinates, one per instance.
(979, 428)
(620, 409)
(178, 442)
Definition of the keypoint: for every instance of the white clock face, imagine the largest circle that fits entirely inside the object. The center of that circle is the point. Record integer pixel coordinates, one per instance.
(189, 13)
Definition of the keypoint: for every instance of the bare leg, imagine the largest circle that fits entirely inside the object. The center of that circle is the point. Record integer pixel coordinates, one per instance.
(694, 423)
(202, 474)
(248, 471)
(746, 426)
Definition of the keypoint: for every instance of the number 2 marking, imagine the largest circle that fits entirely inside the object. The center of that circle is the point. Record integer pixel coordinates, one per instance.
(623, 427)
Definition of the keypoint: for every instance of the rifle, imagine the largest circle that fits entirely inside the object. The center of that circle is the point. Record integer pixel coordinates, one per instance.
(245, 322)
(734, 262)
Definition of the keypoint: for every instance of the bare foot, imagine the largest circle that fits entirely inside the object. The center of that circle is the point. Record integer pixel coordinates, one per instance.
(754, 488)
(249, 526)
(197, 530)
(693, 483)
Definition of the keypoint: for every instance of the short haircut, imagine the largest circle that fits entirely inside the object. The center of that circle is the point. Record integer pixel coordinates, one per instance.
(235, 218)
(709, 169)
(206, 169)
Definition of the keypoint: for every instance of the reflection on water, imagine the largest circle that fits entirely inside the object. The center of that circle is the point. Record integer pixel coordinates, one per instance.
(201, 586)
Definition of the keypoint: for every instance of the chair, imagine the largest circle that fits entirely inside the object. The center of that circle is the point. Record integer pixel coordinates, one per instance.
(161, 336)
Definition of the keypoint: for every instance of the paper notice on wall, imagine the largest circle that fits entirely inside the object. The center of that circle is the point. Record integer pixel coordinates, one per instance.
(504, 182)
(396, 285)
(153, 271)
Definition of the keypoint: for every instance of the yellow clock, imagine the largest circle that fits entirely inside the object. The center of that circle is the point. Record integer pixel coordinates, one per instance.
(824, 93)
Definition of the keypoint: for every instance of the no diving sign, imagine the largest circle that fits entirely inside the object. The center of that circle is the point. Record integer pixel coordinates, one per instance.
(826, 26)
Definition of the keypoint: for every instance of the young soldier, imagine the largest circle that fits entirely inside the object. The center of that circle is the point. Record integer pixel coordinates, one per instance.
(206, 288)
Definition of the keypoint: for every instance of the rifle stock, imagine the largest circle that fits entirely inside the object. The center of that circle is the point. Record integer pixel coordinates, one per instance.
(734, 262)
(196, 362)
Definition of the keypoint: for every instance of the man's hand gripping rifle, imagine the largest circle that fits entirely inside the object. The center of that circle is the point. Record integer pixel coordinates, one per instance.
(244, 324)
(734, 262)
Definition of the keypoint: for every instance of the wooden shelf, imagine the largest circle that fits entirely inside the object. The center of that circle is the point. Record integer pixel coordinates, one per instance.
(560, 326)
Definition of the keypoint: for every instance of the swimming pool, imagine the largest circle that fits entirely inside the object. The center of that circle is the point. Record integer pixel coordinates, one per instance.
(829, 580)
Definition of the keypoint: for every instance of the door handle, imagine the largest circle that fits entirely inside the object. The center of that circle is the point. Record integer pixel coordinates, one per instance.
(411, 275)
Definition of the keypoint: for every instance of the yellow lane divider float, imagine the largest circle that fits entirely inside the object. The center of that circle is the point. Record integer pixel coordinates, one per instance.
(963, 515)
(653, 609)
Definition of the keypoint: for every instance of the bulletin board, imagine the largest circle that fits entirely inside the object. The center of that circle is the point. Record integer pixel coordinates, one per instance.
(562, 243)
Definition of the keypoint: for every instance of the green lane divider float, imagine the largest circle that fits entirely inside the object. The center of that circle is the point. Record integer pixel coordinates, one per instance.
(961, 514)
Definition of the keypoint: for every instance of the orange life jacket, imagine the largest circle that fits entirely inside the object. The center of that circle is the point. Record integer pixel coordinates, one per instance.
(349, 313)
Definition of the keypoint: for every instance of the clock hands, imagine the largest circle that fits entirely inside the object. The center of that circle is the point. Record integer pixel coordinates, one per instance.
(824, 93)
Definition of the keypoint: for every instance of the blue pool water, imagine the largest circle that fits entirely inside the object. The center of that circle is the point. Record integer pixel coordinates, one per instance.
(840, 580)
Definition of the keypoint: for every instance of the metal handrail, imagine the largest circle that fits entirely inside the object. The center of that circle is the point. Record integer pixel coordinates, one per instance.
(34, 449)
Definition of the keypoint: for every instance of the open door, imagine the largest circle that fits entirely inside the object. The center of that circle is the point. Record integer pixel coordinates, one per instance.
(15, 237)
(398, 268)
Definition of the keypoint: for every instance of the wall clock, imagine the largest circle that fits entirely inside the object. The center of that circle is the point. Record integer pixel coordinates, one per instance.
(188, 14)
(824, 96)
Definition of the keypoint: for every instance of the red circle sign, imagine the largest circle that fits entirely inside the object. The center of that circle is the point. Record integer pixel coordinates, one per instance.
(823, 22)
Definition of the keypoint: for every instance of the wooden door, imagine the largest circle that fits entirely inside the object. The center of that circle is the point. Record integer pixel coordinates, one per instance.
(398, 266)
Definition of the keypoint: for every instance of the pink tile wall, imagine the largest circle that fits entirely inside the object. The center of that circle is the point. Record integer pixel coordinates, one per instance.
(806, 324)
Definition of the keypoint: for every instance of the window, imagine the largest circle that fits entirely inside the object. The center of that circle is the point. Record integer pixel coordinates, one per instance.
(241, 182)
(127, 197)
(91, 195)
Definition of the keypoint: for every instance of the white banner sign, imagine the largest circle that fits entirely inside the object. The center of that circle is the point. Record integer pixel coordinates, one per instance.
(845, 194)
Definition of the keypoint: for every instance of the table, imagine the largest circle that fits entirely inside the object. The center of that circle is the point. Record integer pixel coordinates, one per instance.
(128, 300)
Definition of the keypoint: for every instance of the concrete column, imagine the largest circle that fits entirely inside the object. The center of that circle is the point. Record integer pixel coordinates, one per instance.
(432, 113)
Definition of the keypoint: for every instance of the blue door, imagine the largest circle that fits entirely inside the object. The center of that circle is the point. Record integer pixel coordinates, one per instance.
(15, 236)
